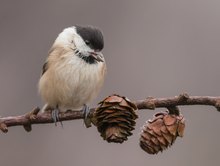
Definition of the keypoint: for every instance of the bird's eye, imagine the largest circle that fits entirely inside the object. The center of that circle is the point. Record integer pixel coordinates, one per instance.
(87, 42)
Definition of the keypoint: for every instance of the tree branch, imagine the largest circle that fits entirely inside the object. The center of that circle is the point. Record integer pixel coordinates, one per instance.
(37, 117)
(183, 99)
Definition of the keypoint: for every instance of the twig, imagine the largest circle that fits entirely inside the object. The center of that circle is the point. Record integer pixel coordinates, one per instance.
(37, 117)
(183, 99)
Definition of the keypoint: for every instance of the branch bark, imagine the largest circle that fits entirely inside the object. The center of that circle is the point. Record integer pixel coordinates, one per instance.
(37, 117)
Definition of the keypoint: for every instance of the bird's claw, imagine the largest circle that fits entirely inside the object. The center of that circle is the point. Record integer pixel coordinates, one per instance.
(55, 116)
(86, 112)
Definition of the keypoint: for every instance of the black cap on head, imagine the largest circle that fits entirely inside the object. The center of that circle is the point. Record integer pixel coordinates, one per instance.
(92, 36)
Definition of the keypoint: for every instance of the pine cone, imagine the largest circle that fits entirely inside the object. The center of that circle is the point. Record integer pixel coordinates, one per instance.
(115, 118)
(161, 132)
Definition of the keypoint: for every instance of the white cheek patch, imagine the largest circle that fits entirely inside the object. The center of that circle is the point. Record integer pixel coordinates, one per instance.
(81, 45)
(79, 42)
(69, 34)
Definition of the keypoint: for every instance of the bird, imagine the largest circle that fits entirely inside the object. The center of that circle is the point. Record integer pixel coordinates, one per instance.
(73, 72)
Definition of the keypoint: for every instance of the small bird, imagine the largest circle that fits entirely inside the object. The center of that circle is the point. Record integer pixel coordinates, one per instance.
(74, 71)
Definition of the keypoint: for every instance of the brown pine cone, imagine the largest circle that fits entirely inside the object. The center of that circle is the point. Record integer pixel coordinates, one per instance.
(161, 132)
(115, 118)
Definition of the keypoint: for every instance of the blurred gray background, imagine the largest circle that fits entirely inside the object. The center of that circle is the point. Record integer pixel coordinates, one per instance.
(152, 48)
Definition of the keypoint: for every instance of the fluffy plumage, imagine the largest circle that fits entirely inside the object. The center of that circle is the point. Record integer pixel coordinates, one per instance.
(75, 68)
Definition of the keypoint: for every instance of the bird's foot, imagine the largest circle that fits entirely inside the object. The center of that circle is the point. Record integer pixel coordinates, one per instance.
(55, 116)
(86, 112)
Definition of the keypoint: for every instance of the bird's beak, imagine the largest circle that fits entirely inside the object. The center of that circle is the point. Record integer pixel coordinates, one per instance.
(97, 56)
